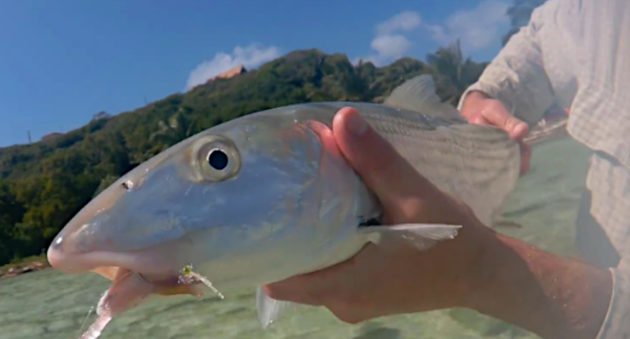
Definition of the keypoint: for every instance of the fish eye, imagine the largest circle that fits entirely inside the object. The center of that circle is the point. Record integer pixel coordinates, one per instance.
(216, 158)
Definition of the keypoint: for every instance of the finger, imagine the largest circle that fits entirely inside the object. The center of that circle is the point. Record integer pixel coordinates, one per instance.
(517, 134)
(517, 129)
(479, 120)
(380, 166)
(299, 289)
(314, 288)
(326, 137)
(497, 115)
(326, 285)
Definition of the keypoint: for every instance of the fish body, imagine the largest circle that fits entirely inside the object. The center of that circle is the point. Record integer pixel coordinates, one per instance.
(261, 198)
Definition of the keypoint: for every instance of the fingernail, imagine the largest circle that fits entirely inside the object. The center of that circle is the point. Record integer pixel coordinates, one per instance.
(356, 124)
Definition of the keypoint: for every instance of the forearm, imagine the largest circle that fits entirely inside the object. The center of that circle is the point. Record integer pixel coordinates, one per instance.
(549, 295)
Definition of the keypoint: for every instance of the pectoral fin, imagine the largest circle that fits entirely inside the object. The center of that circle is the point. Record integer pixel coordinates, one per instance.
(422, 236)
(269, 310)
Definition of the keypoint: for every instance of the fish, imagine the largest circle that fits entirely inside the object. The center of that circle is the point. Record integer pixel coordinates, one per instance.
(261, 198)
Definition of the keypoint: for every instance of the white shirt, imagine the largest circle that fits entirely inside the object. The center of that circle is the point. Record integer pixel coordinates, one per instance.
(576, 53)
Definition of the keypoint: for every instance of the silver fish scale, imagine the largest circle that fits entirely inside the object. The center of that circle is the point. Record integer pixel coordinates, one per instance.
(478, 170)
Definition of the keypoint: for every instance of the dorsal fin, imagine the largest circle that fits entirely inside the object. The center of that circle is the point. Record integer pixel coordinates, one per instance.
(418, 94)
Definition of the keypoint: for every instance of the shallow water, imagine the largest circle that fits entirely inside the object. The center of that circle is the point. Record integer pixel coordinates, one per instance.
(48, 304)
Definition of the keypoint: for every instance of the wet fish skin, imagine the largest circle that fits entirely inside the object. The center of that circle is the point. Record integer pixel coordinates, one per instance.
(280, 183)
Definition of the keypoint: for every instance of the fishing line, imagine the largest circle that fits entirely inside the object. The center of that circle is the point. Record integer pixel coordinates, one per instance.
(188, 276)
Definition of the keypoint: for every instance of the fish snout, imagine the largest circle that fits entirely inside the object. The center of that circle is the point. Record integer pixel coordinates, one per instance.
(69, 252)
(55, 253)
(67, 249)
(105, 242)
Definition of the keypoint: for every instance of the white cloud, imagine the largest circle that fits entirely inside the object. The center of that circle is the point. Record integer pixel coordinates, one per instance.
(390, 42)
(404, 21)
(477, 28)
(390, 45)
(249, 56)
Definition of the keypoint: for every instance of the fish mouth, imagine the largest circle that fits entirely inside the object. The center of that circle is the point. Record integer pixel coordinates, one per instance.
(151, 264)
(75, 261)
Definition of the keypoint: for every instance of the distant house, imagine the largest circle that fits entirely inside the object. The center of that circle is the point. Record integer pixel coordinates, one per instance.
(230, 73)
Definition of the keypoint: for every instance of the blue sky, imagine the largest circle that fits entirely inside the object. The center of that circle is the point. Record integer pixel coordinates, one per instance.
(63, 61)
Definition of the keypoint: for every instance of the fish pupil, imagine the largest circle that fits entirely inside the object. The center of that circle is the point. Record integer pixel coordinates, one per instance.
(217, 159)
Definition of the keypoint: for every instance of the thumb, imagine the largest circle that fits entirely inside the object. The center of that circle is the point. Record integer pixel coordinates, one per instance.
(381, 167)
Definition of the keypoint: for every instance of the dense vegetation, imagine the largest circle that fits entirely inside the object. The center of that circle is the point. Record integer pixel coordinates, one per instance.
(42, 185)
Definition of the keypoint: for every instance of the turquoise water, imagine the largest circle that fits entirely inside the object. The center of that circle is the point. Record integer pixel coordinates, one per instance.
(48, 304)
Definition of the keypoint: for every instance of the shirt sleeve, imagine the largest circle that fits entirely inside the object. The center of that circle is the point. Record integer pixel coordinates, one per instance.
(517, 75)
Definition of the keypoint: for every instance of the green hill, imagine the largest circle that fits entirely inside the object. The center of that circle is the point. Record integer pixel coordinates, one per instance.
(42, 185)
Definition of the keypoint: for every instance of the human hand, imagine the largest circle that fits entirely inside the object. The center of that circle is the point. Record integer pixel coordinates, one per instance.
(392, 278)
(480, 109)
(480, 269)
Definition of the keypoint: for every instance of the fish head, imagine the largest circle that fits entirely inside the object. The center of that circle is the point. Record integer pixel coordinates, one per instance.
(219, 199)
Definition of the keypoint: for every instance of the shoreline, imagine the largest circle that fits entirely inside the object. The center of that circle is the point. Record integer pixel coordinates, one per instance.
(24, 266)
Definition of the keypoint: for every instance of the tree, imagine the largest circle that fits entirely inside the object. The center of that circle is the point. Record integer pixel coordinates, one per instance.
(11, 214)
(452, 72)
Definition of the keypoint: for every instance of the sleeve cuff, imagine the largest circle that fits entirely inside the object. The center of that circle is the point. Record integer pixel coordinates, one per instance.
(477, 86)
